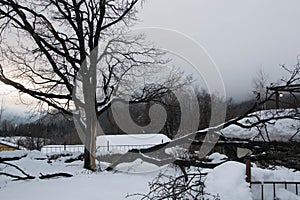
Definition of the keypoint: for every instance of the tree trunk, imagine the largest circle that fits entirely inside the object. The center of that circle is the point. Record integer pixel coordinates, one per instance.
(89, 160)
(90, 145)
(89, 86)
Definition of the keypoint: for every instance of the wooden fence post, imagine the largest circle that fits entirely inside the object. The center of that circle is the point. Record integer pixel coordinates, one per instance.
(65, 146)
(248, 171)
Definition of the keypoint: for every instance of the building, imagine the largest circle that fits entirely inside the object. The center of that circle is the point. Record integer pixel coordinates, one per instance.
(7, 146)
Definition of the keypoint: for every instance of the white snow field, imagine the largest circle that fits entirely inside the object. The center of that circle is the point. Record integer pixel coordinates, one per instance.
(279, 130)
(226, 181)
(83, 184)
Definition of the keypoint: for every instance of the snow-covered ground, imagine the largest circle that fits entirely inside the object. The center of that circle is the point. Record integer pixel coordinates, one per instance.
(226, 181)
(279, 130)
(83, 185)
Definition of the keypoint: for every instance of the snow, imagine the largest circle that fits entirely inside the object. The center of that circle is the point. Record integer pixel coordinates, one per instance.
(15, 139)
(92, 186)
(12, 154)
(228, 182)
(132, 139)
(83, 185)
(37, 155)
(177, 152)
(10, 144)
(113, 144)
(279, 174)
(120, 144)
(217, 158)
(283, 194)
(137, 166)
(279, 130)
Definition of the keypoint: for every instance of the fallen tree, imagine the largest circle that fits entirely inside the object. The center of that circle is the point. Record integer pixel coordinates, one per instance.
(3, 159)
(196, 141)
(55, 175)
(26, 176)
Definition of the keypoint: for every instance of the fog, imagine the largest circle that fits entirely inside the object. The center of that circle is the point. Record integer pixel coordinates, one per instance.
(240, 36)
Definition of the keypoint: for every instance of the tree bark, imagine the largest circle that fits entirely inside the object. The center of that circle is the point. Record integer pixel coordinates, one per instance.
(89, 87)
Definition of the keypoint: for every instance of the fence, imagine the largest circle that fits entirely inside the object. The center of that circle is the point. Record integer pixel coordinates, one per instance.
(265, 185)
(100, 149)
(121, 148)
(61, 148)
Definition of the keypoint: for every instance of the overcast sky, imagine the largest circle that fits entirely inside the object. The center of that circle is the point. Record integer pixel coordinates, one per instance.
(240, 36)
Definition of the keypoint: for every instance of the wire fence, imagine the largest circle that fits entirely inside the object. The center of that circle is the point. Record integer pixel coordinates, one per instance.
(121, 148)
(100, 149)
(61, 148)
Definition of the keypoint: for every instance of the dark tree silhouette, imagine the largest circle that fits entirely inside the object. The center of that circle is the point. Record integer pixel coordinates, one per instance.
(48, 47)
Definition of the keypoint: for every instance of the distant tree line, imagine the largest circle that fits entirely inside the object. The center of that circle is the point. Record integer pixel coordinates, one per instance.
(58, 129)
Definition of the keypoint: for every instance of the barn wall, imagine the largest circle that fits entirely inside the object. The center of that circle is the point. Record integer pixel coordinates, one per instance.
(6, 148)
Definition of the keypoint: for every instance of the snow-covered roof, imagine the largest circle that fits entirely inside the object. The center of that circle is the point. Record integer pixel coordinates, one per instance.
(132, 139)
(9, 144)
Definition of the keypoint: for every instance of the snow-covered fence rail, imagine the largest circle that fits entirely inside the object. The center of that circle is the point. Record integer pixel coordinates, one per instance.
(114, 143)
(120, 148)
(266, 188)
(100, 149)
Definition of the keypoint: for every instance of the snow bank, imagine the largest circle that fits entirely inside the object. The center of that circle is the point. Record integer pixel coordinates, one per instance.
(278, 174)
(13, 154)
(137, 166)
(279, 130)
(217, 158)
(228, 182)
(283, 194)
(37, 155)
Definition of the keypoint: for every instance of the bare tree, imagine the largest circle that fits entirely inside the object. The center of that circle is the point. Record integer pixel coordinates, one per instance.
(197, 139)
(189, 185)
(260, 83)
(50, 47)
(184, 185)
